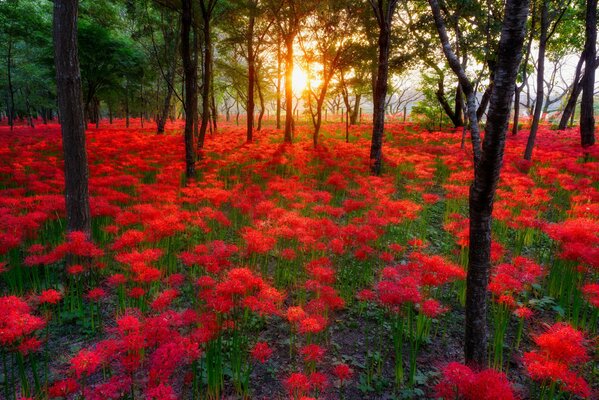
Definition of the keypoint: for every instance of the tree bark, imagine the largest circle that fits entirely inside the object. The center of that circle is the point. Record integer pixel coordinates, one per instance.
(70, 104)
(191, 102)
(288, 88)
(587, 119)
(251, 79)
(523, 66)
(487, 166)
(440, 94)
(206, 9)
(279, 83)
(484, 101)
(486, 176)
(575, 90)
(261, 98)
(11, 91)
(383, 11)
(540, 82)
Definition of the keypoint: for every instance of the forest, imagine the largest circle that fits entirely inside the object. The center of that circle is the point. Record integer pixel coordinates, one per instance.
(299, 199)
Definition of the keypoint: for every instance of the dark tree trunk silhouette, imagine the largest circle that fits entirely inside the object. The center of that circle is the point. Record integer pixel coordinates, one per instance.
(191, 98)
(288, 88)
(487, 166)
(587, 119)
(11, 91)
(251, 78)
(279, 84)
(70, 104)
(207, 9)
(383, 11)
(261, 98)
(575, 90)
(523, 66)
(540, 82)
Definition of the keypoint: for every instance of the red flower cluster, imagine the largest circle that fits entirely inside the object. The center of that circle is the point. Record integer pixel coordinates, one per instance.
(561, 348)
(461, 382)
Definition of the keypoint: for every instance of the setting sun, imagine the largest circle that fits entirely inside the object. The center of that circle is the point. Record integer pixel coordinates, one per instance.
(300, 80)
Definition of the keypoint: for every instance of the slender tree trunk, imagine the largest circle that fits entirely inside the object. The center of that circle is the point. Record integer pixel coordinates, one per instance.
(11, 91)
(353, 119)
(440, 94)
(69, 93)
(170, 75)
(486, 177)
(279, 84)
(575, 90)
(487, 166)
(207, 76)
(540, 82)
(251, 79)
(191, 100)
(457, 108)
(261, 97)
(523, 66)
(288, 88)
(127, 103)
(213, 108)
(376, 148)
(587, 119)
(484, 101)
(384, 18)
(517, 91)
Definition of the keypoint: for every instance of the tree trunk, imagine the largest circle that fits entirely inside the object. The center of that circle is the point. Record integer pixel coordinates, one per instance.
(482, 191)
(11, 92)
(127, 104)
(288, 88)
(70, 103)
(517, 91)
(279, 84)
(261, 97)
(484, 101)
(207, 76)
(540, 82)
(384, 18)
(191, 99)
(440, 94)
(587, 119)
(251, 80)
(573, 98)
(353, 119)
(170, 75)
(457, 108)
(487, 165)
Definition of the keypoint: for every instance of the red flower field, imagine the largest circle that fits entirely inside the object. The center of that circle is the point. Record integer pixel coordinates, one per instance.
(288, 272)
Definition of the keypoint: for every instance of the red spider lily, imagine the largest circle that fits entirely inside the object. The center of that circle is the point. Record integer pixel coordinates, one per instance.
(16, 321)
(318, 381)
(86, 362)
(297, 384)
(164, 299)
(591, 291)
(432, 308)
(312, 353)
(96, 294)
(460, 382)
(312, 324)
(63, 388)
(560, 348)
(114, 389)
(261, 352)
(343, 372)
(49, 296)
(161, 392)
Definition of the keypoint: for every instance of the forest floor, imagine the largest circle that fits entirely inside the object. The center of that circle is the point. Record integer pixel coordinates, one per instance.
(289, 246)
